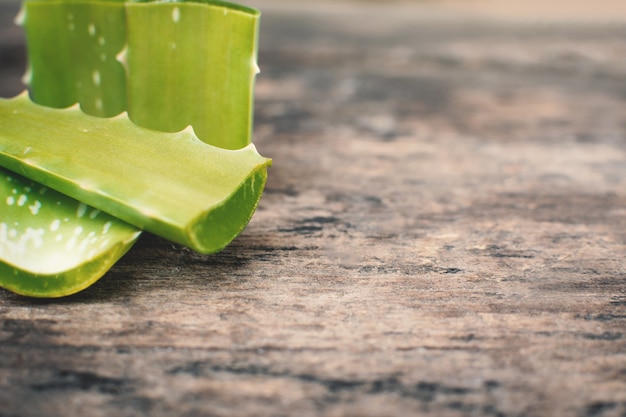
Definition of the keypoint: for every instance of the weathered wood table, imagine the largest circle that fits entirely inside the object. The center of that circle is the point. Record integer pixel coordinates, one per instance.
(443, 233)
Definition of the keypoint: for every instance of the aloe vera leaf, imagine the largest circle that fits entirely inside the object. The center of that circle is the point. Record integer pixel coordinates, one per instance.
(72, 54)
(66, 66)
(52, 245)
(170, 184)
(203, 61)
(187, 63)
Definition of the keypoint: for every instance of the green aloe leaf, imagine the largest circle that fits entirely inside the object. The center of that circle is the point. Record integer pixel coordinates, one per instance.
(40, 256)
(52, 245)
(170, 184)
(169, 64)
(212, 77)
(72, 53)
(80, 51)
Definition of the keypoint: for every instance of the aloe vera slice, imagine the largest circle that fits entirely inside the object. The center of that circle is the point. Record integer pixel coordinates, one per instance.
(170, 184)
(52, 245)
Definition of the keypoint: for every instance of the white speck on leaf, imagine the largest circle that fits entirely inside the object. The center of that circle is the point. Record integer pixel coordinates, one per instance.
(81, 210)
(34, 208)
(176, 14)
(96, 77)
(92, 29)
(54, 226)
(22, 200)
(10, 200)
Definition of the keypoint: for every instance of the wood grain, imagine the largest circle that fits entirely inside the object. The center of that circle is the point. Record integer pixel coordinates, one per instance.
(443, 233)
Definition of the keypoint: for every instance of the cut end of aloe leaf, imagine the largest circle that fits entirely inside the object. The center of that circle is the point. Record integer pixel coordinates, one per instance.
(52, 245)
(216, 228)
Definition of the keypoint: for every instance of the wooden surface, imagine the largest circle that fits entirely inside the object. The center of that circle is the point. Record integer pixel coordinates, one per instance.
(443, 233)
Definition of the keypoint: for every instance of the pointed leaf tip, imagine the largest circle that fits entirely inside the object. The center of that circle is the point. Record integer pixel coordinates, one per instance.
(20, 18)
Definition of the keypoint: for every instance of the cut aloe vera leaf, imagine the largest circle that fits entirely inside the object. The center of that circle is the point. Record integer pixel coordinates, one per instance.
(72, 49)
(187, 62)
(72, 54)
(170, 184)
(203, 61)
(52, 245)
(73, 46)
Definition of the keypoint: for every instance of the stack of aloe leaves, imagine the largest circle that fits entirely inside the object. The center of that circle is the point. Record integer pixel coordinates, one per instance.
(138, 117)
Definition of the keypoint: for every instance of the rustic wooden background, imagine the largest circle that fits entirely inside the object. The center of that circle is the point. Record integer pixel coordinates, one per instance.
(443, 233)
